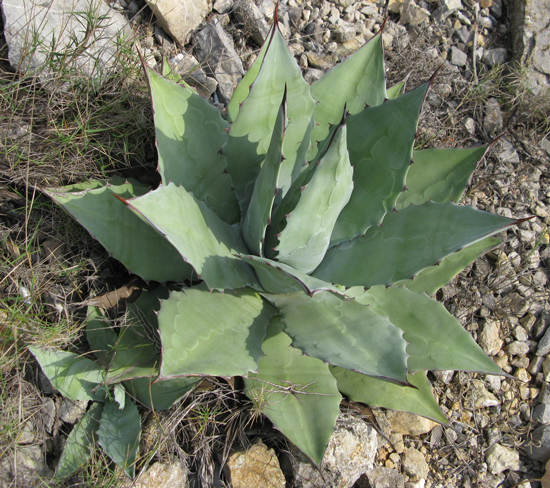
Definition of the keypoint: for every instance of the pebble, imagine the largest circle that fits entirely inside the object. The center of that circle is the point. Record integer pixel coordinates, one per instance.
(542, 413)
(518, 348)
(458, 57)
(414, 464)
(489, 338)
(500, 458)
(492, 121)
(409, 424)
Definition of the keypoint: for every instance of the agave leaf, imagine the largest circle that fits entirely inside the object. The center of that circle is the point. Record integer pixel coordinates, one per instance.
(306, 237)
(160, 395)
(100, 335)
(261, 203)
(433, 278)
(436, 340)
(240, 93)
(78, 448)
(380, 143)
(378, 393)
(130, 240)
(250, 134)
(214, 334)
(360, 82)
(408, 241)
(343, 333)
(76, 377)
(277, 277)
(297, 393)
(395, 91)
(203, 239)
(136, 351)
(440, 175)
(190, 131)
(119, 433)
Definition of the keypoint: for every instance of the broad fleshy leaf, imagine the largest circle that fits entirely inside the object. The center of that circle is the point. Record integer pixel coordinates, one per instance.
(214, 333)
(78, 448)
(119, 433)
(278, 277)
(378, 393)
(160, 395)
(306, 237)
(440, 175)
(360, 82)
(408, 241)
(297, 393)
(250, 134)
(76, 377)
(130, 240)
(436, 340)
(203, 239)
(380, 144)
(190, 132)
(343, 333)
(136, 352)
(395, 91)
(258, 214)
(100, 335)
(433, 278)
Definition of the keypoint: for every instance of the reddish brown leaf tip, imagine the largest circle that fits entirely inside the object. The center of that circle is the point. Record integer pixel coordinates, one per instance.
(517, 222)
(123, 200)
(384, 24)
(496, 139)
(432, 78)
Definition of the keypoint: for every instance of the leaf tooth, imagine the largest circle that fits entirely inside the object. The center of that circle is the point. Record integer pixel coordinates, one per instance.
(405, 188)
(411, 162)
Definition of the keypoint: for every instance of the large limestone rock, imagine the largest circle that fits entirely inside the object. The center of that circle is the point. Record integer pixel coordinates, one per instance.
(35, 29)
(179, 18)
(531, 41)
(350, 453)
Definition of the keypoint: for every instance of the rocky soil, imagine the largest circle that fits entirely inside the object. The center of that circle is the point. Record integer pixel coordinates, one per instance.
(499, 429)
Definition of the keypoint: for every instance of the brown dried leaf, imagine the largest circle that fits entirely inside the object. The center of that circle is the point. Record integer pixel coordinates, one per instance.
(125, 294)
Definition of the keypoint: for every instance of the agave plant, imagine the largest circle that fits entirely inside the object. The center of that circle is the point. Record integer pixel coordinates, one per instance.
(298, 245)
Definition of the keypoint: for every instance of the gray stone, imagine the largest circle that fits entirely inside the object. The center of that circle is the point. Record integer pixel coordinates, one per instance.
(538, 447)
(350, 453)
(446, 9)
(64, 23)
(216, 51)
(207, 89)
(71, 411)
(458, 57)
(412, 14)
(344, 31)
(481, 397)
(500, 458)
(542, 413)
(185, 65)
(267, 8)
(544, 344)
(464, 35)
(489, 338)
(493, 116)
(311, 75)
(414, 464)
(161, 475)
(409, 424)
(384, 478)
(518, 348)
(315, 31)
(321, 62)
(495, 56)
(48, 414)
(179, 18)
(27, 468)
(248, 14)
(257, 466)
(531, 42)
(222, 6)
(507, 152)
(545, 144)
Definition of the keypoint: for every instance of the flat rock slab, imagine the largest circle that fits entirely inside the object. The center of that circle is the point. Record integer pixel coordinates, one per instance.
(531, 41)
(179, 18)
(34, 30)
